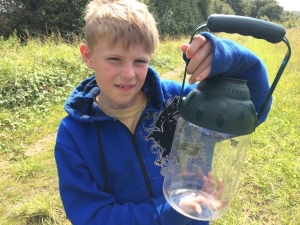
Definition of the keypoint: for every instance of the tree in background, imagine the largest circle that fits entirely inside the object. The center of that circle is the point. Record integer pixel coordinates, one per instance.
(177, 17)
(258, 5)
(174, 17)
(6, 11)
(221, 7)
(272, 11)
(40, 17)
(240, 7)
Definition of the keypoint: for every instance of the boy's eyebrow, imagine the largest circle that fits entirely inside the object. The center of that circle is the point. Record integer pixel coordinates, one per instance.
(116, 55)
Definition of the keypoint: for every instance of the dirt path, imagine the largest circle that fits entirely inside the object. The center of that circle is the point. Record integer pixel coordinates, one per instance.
(40, 145)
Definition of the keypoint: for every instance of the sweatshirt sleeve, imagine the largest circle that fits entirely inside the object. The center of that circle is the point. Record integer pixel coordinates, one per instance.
(85, 202)
(234, 60)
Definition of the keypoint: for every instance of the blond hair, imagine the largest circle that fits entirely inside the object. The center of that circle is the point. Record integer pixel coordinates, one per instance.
(128, 21)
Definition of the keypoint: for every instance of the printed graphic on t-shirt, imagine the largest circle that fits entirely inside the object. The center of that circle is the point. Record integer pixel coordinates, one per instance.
(163, 134)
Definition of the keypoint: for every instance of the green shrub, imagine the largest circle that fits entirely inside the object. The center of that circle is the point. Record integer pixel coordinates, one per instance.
(34, 76)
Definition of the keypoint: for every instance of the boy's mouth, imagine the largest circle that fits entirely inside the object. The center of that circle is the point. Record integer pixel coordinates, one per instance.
(125, 86)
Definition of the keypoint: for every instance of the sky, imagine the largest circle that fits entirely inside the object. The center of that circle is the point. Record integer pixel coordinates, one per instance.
(290, 5)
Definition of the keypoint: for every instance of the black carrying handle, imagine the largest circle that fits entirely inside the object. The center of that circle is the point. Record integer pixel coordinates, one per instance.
(246, 26)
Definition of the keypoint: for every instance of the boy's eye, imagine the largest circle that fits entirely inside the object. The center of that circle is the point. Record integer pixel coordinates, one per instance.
(114, 59)
(138, 61)
(141, 61)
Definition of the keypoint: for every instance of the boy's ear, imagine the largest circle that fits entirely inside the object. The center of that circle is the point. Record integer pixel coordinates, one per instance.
(86, 55)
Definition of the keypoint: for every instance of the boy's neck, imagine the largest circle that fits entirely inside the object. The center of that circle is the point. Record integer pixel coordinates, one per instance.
(99, 101)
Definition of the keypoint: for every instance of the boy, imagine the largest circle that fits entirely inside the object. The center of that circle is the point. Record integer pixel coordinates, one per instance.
(112, 148)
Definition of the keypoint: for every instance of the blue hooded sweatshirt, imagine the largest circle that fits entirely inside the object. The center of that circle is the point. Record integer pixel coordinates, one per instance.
(109, 176)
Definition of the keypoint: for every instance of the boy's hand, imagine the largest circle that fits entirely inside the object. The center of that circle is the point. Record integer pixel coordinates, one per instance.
(200, 54)
(214, 202)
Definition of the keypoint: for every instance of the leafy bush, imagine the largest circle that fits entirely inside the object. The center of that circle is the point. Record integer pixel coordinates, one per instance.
(35, 75)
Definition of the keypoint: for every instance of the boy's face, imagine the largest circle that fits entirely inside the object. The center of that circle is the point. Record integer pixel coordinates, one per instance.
(120, 73)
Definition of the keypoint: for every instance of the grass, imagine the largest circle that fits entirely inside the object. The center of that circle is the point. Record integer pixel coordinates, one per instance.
(29, 194)
(268, 189)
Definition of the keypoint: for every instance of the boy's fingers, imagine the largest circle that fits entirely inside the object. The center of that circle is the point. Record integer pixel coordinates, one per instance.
(204, 202)
(199, 51)
(184, 48)
(211, 179)
(190, 205)
(202, 71)
(221, 204)
(201, 59)
(220, 189)
(205, 184)
(198, 42)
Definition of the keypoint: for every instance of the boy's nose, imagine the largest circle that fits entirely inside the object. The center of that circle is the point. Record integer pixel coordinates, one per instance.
(127, 71)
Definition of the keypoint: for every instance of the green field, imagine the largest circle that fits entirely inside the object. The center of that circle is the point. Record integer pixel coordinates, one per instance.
(35, 79)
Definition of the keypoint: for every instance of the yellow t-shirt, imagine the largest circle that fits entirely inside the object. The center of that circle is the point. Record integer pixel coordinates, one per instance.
(129, 116)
